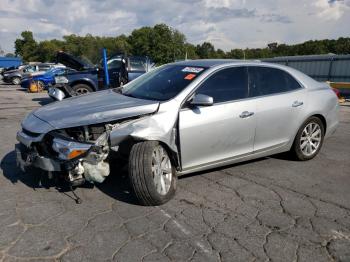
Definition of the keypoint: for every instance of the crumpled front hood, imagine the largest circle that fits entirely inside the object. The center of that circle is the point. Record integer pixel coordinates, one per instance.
(99, 107)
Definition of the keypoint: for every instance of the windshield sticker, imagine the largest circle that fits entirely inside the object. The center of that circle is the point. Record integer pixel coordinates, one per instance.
(190, 76)
(192, 69)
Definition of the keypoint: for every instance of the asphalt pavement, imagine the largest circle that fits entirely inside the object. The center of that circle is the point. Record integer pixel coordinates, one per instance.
(270, 209)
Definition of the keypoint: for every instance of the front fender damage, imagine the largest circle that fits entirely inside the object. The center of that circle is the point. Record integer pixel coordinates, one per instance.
(159, 127)
(94, 164)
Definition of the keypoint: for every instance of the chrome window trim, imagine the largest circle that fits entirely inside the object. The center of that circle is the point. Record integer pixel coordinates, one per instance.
(182, 108)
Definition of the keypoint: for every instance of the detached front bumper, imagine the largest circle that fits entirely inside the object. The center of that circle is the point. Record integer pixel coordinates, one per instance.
(25, 157)
(77, 160)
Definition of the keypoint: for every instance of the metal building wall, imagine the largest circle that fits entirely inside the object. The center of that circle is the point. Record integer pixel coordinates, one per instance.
(334, 68)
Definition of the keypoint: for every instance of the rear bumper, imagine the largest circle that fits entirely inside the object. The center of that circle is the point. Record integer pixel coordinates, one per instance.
(25, 157)
(332, 119)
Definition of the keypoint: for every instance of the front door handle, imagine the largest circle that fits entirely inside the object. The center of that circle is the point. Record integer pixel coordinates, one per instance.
(246, 114)
(297, 103)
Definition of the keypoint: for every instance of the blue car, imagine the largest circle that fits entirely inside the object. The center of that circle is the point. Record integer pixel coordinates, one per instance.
(46, 79)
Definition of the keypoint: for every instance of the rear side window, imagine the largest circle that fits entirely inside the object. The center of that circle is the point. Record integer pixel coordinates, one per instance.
(226, 85)
(267, 81)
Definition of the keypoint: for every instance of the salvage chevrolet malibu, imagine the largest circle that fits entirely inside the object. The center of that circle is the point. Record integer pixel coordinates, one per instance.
(180, 118)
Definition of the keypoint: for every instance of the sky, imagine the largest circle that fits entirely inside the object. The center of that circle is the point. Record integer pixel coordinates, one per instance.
(227, 24)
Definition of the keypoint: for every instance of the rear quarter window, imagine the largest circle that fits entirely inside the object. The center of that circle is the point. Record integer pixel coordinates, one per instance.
(267, 81)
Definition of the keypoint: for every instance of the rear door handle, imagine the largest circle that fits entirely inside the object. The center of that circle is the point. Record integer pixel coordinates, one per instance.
(297, 103)
(246, 114)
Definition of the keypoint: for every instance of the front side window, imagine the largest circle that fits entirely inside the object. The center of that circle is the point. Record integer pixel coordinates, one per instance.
(138, 64)
(267, 81)
(226, 85)
(162, 83)
(115, 64)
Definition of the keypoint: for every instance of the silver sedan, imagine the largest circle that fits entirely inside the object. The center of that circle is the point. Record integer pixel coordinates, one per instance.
(177, 119)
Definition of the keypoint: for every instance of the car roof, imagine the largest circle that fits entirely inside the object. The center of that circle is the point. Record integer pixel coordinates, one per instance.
(212, 62)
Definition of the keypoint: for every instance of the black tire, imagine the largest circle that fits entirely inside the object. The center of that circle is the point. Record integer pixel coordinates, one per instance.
(16, 80)
(82, 89)
(296, 148)
(142, 178)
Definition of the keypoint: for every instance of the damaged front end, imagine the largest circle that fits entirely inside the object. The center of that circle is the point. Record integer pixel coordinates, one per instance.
(80, 154)
(106, 131)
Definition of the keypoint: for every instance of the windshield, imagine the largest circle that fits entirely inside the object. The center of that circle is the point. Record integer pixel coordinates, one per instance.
(162, 83)
(29, 69)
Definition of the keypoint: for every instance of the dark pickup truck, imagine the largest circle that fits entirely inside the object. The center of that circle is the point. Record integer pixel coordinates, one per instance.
(90, 78)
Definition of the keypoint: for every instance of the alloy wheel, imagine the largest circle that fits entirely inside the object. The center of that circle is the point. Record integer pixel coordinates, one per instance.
(16, 81)
(310, 139)
(82, 91)
(161, 170)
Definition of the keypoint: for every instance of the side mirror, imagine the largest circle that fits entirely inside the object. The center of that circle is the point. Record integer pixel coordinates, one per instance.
(202, 100)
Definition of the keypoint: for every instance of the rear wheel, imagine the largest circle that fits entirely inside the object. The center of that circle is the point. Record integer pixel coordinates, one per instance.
(151, 173)
(16, 80)
(82, 89)
(309, 139)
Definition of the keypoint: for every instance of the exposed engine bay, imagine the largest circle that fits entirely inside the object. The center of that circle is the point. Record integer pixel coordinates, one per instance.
(88, 148)
(82, 153)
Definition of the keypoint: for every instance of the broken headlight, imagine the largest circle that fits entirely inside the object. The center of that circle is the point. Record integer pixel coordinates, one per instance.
(69, 149)
(61, 80)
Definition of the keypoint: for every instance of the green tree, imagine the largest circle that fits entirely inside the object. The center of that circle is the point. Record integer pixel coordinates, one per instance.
(162, 43)
(206, 50)
(10, 55)
(27, 47)
(47, 50)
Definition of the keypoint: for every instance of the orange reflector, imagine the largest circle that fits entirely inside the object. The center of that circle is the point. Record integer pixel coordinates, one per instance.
(75, 153)
(190, 76)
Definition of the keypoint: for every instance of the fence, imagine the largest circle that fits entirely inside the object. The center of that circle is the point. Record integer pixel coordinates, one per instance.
(334, 68)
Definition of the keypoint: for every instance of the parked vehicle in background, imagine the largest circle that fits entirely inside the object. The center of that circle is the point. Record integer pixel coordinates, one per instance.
(177, 119)
(44, 80)
(41, 68)
(89, 78)
(15, 76)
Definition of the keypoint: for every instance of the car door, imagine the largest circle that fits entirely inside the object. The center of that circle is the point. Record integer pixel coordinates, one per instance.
(221, 131)
(114, 68)
(279, 100)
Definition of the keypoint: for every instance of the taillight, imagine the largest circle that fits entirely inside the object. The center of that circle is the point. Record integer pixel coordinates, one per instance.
(337, 92)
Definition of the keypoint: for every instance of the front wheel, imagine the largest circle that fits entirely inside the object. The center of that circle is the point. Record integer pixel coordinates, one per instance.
(82, 89)
(41, 85)
(16, 80)
(309, 139)
(151, 173)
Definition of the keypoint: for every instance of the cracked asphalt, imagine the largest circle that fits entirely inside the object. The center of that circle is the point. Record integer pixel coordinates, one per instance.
(270, 209)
